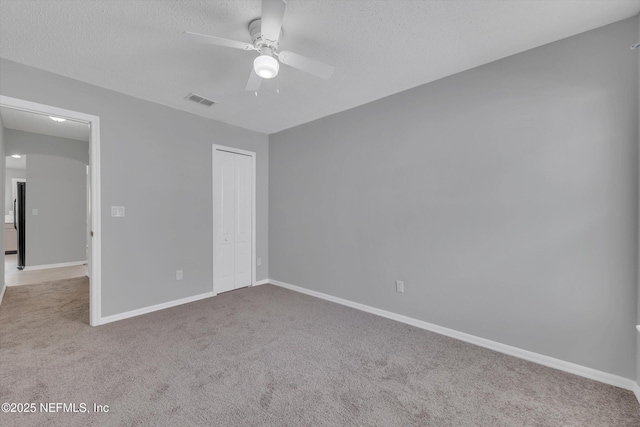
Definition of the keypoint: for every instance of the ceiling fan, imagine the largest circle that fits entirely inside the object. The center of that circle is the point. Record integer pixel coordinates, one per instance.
(265, 33)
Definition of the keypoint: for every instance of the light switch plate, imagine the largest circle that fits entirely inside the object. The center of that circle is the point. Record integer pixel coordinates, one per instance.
(117, 211)
(34, 211)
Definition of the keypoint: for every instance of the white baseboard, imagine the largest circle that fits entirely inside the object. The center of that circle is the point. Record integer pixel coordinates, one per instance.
(636, 391)
(541, 359)
(150, 309)
(145, 310)
(47, 266)
(4, 288)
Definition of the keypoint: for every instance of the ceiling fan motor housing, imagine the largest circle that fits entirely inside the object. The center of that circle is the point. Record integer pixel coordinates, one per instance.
(255, 29)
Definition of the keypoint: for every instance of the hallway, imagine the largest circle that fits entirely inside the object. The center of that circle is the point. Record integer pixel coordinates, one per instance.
(15, 277)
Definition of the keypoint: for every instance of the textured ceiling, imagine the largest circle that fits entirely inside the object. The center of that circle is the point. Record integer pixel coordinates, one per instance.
(378, 47)
(42, 124)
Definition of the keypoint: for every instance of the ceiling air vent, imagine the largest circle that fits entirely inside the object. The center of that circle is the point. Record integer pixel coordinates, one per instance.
(199, 99)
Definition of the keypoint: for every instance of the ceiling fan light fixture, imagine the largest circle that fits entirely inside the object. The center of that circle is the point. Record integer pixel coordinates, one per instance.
(266, 66)
(266, 33)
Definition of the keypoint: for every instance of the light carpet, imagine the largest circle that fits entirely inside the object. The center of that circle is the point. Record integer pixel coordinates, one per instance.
(267, 356)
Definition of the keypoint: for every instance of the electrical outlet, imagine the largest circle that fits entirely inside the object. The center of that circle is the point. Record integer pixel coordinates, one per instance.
(178, 274)
(399, 286)
(259, 262)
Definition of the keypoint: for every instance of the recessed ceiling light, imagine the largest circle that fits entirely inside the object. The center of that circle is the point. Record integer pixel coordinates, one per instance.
(57, 119)
(16, 156)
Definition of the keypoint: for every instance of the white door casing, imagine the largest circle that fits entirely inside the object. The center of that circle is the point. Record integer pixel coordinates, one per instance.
(233, 218)
(95, 253)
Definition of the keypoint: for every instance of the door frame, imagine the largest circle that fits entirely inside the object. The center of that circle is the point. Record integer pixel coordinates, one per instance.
(95, 261)
(252, 154)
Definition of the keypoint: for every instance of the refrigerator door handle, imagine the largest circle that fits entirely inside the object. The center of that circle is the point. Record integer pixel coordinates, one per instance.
(14, 214)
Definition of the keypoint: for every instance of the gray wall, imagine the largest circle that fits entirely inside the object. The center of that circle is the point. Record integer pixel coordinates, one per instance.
(56, 186)
(35, 143)
(11, 173)
(505, 197)
(2, 169)
(155, 161)
(638, 315)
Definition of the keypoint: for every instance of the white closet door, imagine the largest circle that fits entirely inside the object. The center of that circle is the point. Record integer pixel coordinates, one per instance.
(224, 221)
(233, 222)
(244, 165)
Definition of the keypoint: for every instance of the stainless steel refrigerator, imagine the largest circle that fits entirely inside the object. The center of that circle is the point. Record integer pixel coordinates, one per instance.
(19, 220)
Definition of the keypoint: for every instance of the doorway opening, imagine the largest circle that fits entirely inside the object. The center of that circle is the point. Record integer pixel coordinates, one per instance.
(71, 214)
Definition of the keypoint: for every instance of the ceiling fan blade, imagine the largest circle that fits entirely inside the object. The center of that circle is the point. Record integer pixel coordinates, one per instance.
(305, 64)
(272, 14)
(254, 81)
(218, 41)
